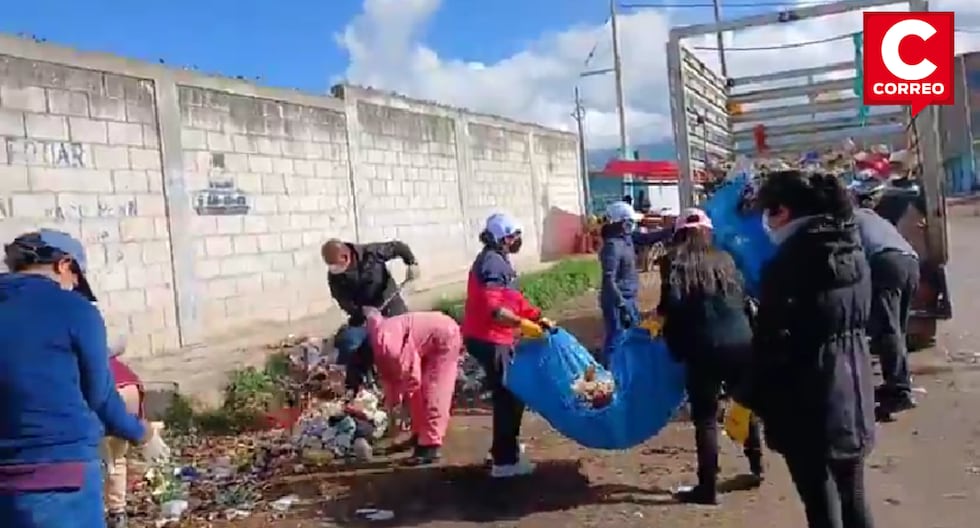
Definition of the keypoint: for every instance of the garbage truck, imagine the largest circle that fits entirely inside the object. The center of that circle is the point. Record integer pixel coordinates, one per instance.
(791, 114)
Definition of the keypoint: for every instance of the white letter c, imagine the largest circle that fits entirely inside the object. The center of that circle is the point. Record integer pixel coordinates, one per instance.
(889, 50)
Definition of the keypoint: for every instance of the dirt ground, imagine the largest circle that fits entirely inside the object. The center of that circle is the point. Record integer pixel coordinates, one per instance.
(925, 472)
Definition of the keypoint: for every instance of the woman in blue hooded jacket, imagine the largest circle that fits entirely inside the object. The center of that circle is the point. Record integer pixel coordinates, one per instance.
(620, 278)
(57, 394)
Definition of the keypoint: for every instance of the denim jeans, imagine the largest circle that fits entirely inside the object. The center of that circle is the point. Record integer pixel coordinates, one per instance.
(75, 508)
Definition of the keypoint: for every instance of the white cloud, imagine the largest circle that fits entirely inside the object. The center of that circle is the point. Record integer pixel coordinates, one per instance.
(387, 50)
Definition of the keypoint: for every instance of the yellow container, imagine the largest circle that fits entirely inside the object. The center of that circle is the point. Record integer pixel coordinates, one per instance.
(737, 422)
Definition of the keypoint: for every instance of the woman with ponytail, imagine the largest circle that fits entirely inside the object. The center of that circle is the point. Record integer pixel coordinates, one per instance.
(813, 386)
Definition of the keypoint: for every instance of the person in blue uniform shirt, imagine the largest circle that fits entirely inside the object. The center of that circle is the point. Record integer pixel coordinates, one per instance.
(620, 277)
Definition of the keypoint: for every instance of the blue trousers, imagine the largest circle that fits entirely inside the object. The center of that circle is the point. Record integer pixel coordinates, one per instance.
(613, 326)
(82, 508)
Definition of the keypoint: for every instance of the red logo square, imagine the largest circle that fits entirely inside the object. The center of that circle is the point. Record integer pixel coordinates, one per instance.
(908, 59)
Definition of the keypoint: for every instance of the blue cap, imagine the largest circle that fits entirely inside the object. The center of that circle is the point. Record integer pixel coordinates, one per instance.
(621, 212)
(48, 246)
(502, 225)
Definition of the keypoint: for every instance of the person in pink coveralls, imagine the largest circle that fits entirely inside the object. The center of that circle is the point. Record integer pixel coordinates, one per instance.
(417, 357)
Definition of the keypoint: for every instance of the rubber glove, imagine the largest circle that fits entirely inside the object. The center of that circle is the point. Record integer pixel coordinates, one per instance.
(155, 450)
(625, 316)
(413, 273)
(530, 329)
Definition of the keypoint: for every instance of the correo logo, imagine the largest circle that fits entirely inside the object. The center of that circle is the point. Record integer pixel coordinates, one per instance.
(908, 59)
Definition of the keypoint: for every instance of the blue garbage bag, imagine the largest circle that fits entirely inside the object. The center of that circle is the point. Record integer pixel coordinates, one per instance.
(740, 232)
(649, 387)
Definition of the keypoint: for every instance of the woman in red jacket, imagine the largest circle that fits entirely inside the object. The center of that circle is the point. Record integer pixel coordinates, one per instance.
(495, 309)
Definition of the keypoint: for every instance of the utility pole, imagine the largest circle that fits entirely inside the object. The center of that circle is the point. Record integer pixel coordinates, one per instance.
(583, 158)
(618, 68)
(721, 40)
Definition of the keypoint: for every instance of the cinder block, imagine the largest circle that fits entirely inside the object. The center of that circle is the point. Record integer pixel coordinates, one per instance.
(151, 138)
(141, 112)
(84, 130)
(129, 134)
(144, 159)
(109, 279)
(221, 288)
(129, 301)
(273, 184)
(191, 139)
(160, 296)
(270, 243)
(283, 166)
(13, 178)
(260, 164)
(27, 98)
(35, 205)
(156, 252)
(12, 123)
(245, 244)
(254, 224)
(144, 276)
(229, 225)
(219, 142)
(152, 320)
(218, 246)
(110, 157)
(249, 182)
(69, 180)
(244, 144)
(41, 126)
(137, 229)
(151, 205)
(63, 102)
(130, 181)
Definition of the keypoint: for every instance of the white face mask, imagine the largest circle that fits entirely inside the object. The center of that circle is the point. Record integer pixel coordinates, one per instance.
(336, 269)
(766, 227)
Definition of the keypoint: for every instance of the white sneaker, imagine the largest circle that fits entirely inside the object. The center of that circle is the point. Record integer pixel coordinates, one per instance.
(520, 469)
(521, 448)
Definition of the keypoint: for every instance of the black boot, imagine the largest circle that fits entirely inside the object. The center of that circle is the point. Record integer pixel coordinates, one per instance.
(424, 455)
(697, 495)
(756, 468)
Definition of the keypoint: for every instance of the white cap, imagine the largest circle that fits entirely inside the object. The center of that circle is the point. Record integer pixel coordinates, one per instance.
(502, 225)
(692, 217)
(622, 211)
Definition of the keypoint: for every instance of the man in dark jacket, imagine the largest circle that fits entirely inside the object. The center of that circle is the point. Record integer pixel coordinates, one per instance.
(894, 279)
(359, 277)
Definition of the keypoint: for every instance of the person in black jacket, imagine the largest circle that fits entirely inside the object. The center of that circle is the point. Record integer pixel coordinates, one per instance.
(359, 277)
(813, 386)
(706, 326)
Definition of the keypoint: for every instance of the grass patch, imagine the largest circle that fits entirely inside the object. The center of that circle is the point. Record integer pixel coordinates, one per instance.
(544, 289)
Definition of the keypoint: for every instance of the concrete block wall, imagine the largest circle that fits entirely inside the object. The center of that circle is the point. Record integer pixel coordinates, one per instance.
(80, 152)
(203, 201)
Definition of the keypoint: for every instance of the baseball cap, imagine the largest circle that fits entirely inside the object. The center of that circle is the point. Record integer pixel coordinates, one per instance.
(693, 217)
(48, 246)
(502, 225)
(621, 212)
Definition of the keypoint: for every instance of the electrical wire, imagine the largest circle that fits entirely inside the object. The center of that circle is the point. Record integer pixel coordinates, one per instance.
(792, 45)
(699, 5)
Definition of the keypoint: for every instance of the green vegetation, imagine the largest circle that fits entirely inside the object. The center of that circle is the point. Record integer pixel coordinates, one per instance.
(545, 289)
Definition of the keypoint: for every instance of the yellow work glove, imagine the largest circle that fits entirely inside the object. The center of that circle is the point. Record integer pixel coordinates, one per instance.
(530, 329)
(547, 324)
(654, 325)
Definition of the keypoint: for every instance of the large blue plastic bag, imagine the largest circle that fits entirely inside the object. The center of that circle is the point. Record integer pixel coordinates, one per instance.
(740, 233)
(649, 388)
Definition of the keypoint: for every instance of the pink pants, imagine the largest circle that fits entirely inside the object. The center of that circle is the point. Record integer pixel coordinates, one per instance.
(431, 406)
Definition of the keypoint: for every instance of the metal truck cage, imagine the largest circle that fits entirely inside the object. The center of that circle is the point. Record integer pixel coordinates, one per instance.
(715, 118)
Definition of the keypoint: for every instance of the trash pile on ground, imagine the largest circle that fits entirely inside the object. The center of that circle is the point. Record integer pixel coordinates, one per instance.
(594, 390)
(330, 430)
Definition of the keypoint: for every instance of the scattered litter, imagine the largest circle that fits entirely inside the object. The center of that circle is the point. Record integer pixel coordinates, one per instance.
(595, 390)
(285, 503)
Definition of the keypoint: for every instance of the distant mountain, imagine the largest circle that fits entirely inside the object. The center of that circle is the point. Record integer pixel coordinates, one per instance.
(663, 150)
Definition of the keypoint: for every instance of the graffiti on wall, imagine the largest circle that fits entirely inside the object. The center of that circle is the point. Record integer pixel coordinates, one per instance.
(65, 154)
(221, 197)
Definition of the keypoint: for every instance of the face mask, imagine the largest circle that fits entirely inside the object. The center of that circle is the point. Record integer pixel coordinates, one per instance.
(766, 227)
(336, 269)
(515, 246)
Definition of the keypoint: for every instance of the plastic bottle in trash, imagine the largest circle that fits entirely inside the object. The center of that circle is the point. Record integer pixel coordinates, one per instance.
(737, 422)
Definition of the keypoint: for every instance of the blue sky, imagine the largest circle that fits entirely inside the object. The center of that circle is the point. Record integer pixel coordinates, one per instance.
(283, 42)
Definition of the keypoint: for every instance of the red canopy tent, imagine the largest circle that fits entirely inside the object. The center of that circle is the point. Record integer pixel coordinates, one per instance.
(648, 171)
